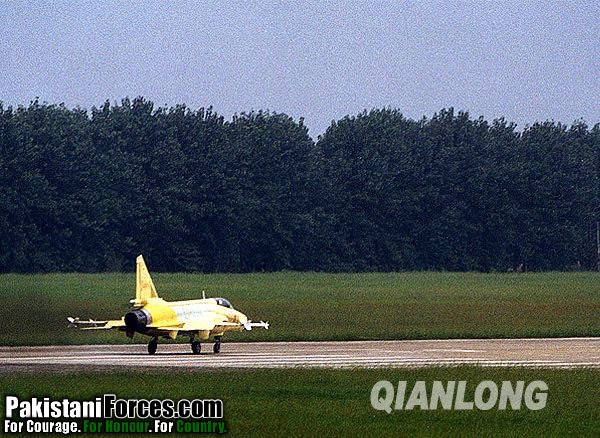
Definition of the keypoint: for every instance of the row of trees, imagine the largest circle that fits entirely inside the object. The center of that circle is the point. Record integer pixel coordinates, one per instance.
(88, 191)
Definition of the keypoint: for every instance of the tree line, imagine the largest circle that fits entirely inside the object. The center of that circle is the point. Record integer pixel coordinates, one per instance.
(89, 190)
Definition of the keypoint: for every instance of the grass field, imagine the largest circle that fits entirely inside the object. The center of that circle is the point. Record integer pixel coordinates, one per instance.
(337, 402)
(317, 306)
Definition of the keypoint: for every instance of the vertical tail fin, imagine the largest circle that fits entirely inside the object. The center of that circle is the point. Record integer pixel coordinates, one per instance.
(144, 287)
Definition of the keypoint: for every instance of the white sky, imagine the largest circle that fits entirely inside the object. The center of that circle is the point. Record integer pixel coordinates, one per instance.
(527, 61)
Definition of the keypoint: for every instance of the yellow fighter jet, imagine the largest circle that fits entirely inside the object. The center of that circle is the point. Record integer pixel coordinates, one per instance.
(155, 317)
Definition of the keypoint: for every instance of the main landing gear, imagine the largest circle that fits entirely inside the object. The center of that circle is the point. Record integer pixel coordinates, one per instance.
(216, 348)
(195, 344)
(196, 347)
(153, 345)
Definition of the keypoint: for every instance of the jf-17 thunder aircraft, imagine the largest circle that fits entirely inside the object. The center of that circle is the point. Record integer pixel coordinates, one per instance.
(152, 316)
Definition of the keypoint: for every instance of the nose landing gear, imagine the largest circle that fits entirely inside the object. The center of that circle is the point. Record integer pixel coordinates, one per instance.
(217, 346)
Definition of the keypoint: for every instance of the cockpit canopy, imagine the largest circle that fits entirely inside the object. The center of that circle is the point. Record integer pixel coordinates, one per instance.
(223, 302)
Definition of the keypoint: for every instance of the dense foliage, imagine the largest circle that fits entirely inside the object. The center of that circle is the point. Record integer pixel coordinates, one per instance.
(88, 191)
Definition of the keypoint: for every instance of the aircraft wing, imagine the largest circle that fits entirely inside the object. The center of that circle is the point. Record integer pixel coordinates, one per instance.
(190, 326)
(170, 326)
(250, 324)
(91, 324)
(200, 325)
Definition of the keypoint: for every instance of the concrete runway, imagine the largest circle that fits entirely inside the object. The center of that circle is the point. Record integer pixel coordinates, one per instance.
(551, 352)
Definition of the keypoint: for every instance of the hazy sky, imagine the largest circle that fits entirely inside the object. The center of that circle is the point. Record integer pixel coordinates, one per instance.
(321, 61)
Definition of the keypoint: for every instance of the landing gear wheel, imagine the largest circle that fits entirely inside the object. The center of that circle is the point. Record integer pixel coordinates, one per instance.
(196, 347)
(217, 346)
(152, 346)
